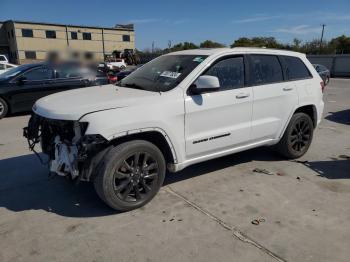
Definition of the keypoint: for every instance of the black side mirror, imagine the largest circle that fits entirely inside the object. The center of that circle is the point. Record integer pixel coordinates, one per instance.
(21, 80)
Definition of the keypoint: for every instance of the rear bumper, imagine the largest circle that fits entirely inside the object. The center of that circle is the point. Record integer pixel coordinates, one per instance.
(320, 112)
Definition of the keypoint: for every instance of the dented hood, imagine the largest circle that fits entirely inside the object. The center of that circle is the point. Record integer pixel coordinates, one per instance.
(72, 105)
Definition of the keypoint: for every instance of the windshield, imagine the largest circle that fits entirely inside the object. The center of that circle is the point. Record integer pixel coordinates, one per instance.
(163, 73)
(13, 71)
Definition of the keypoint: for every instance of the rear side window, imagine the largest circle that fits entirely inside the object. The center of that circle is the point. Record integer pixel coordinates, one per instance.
(42, 73)
(265, 69)
(68, 72)
(323, 68)
(295, 68)
(230, 73)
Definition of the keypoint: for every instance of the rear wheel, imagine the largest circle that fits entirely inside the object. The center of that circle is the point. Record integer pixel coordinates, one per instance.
(130, 175)
(298, 136)
(3, 108)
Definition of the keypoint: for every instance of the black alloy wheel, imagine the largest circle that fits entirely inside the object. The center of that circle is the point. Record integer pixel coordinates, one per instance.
(130, 175)
(297, 137)
(300, 135)
(136, 177)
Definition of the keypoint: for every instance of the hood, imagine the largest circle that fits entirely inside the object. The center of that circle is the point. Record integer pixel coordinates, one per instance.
(72, 105)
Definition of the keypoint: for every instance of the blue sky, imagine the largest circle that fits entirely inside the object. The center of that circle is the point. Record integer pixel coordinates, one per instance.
(219, 20)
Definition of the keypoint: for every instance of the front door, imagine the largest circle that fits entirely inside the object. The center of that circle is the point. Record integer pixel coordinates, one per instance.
(31, 86)
(219, 120)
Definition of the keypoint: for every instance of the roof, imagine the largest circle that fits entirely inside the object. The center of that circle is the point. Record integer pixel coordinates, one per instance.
(216, 51)
(129, 27)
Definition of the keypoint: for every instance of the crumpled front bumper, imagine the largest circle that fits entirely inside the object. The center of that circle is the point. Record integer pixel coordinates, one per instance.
(68, 149)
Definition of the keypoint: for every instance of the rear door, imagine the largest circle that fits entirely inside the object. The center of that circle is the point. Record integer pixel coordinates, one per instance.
(274, 98)
(68, 77)
(219, 120)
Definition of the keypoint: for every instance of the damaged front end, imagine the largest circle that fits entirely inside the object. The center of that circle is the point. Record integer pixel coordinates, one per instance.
(69, 150)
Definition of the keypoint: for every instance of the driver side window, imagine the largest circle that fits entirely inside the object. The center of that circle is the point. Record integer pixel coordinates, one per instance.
(41, 73)
(230, 73)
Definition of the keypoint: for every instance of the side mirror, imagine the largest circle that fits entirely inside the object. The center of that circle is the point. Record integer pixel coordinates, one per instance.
(21, 80)
(205, 84)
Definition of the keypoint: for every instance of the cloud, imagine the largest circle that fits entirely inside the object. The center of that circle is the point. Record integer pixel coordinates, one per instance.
(298, 30)
(180, 21)
(143, 21)
(314, 16)
(256, 18)
(335, 17)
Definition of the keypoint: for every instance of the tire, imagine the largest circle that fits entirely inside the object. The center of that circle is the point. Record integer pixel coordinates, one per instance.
(3, 108)
(125, 186)
(297, 138)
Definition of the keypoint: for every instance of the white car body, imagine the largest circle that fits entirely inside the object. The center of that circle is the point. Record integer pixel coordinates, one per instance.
(117, 64)
(3, 59)
(196, 128)
(4, 66)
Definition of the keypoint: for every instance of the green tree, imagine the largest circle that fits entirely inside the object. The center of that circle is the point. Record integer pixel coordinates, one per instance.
(210, 44)
(242, 42)
(268, 42)
(340, 45)
(296, 45)
(181, 46)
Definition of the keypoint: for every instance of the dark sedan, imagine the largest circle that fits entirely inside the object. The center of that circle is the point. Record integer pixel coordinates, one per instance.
(20, 87)
(324, 73)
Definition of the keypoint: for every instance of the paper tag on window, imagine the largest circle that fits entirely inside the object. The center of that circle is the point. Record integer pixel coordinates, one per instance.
(198, 59)
(170, 74)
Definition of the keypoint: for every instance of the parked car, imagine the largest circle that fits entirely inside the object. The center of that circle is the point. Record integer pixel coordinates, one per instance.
(3, 59)
(4, 66)
(114, 77)
(324, 73)
(21, 86)
(118, 64)
(177, 110)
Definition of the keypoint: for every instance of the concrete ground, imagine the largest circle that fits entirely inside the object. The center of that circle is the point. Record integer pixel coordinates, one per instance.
(203, 213)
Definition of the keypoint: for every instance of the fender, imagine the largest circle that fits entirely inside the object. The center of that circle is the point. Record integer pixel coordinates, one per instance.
(143, 130)
(315, 120)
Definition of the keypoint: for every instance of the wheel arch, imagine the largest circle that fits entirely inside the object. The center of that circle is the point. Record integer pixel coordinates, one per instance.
(310, 110)
(155, 136)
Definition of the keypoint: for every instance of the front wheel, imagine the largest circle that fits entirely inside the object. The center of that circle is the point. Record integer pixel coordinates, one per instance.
(130, 175)
(297, 138)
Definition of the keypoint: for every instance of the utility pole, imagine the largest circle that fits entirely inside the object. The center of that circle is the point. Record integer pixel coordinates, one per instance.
(103, 46)
(169, 44)
(153, 47)
(323, 26)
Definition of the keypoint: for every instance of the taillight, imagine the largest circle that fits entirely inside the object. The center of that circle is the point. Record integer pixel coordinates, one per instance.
(322, 86)
(112, 79)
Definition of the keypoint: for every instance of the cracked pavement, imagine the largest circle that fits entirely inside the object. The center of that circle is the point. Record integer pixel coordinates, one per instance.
(203, 213)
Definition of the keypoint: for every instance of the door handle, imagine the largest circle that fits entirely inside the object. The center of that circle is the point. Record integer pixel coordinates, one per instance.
(287, 88)
(242, 95)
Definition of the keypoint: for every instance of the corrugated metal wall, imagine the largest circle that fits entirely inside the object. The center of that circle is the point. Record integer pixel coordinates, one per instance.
(339, 65)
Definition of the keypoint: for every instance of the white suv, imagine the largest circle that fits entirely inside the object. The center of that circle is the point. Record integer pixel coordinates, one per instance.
(177, 110)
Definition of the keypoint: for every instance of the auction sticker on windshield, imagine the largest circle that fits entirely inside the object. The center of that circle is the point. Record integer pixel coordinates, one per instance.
(170, 74)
